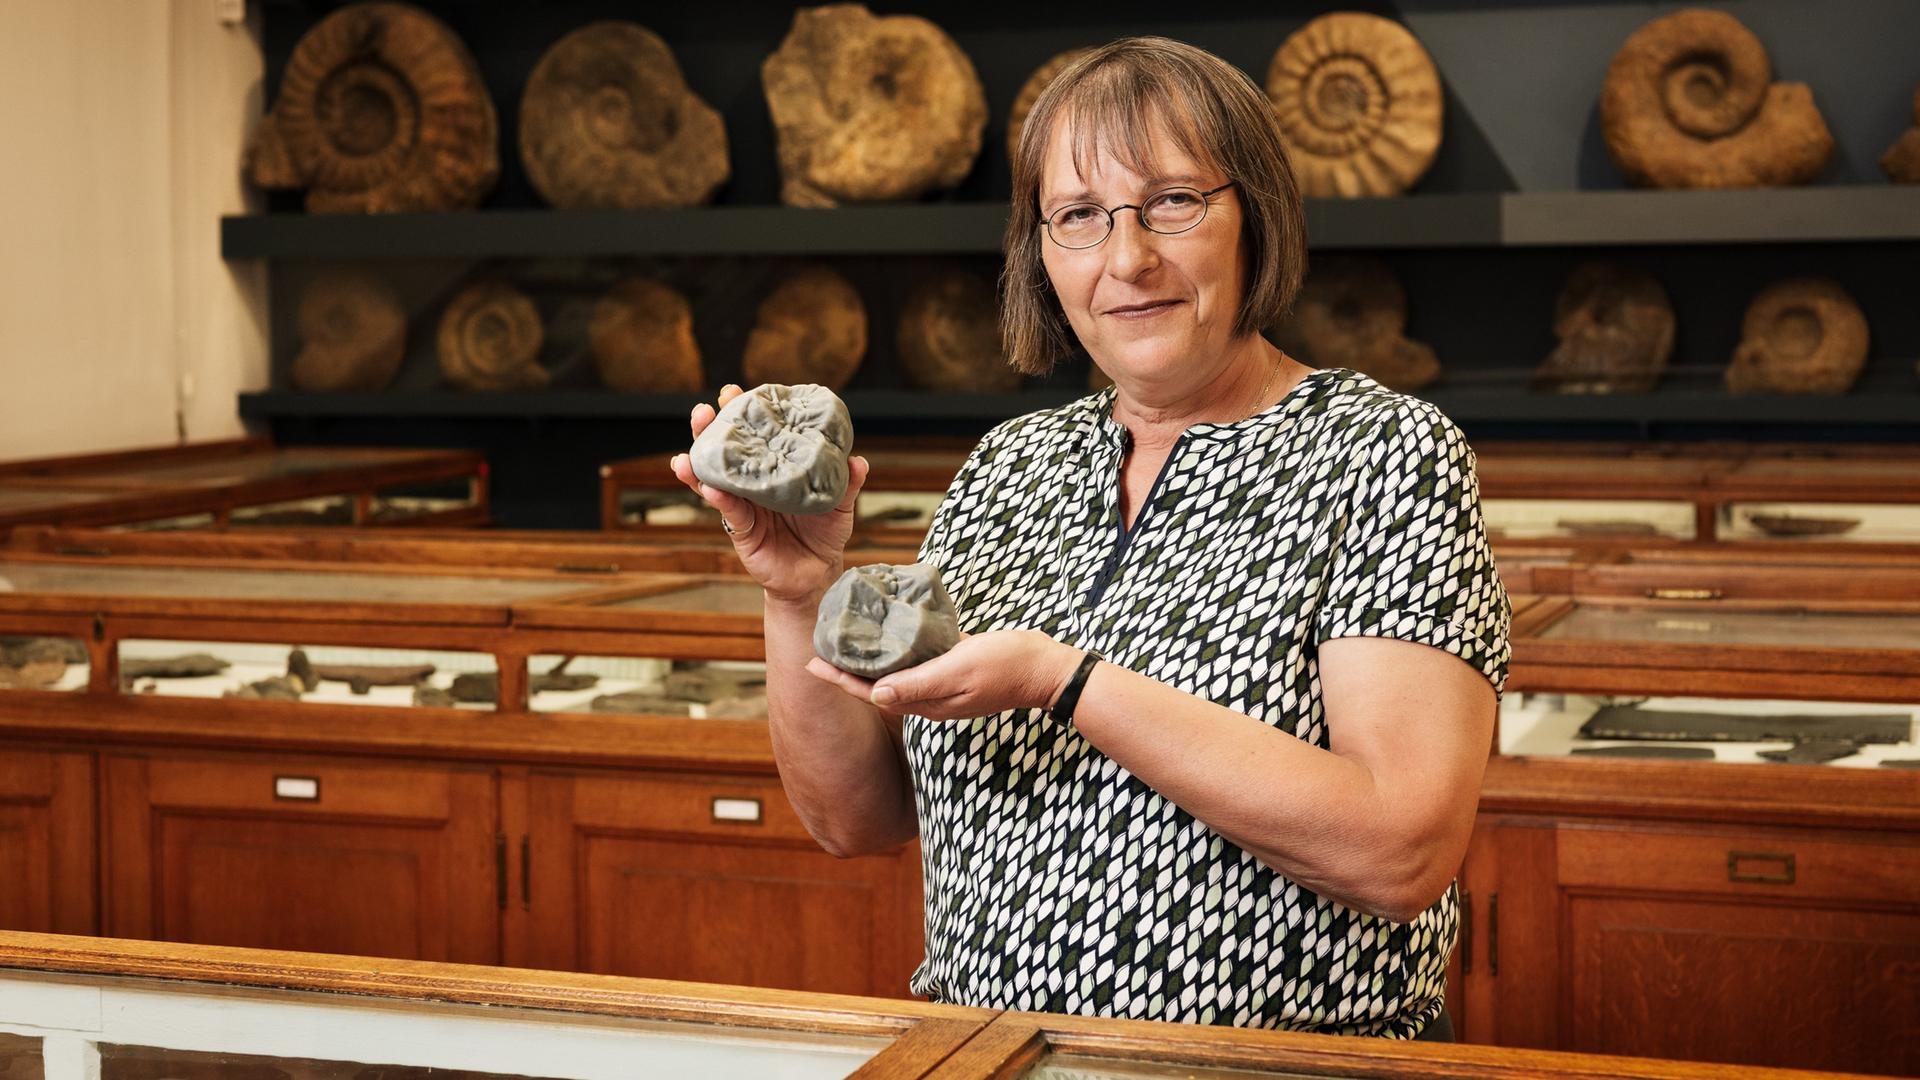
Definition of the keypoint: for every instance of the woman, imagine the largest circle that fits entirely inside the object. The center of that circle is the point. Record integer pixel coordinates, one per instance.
(1212, 750)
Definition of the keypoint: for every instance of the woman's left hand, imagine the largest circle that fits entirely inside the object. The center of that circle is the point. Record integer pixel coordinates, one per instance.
(984, 674)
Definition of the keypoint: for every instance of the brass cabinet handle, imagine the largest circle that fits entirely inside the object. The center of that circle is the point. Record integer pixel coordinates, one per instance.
(1670, 592)
(1493, 934)
(1781, 876)
(1466, 933)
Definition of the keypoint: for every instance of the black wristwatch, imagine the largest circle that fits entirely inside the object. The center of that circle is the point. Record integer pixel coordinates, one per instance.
(1062, 709)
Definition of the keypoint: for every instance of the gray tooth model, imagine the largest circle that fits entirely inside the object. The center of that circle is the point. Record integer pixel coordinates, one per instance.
(781, 447)
(877, 620)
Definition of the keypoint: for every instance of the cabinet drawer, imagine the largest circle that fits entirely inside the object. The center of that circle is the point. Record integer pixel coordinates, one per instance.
(709, 806)
(295, 784)
(1754, 864)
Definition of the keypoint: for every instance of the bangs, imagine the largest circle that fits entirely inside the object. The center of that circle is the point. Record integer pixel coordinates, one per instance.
(1117, 111)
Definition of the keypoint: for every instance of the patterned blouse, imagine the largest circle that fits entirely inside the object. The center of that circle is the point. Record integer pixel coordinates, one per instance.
(1056, 880)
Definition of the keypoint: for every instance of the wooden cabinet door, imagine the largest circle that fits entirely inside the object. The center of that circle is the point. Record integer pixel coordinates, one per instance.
(305, 854)
(707, 879)
(47, 842)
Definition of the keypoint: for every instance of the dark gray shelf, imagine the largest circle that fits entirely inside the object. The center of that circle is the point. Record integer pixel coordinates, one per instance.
(1513, 219)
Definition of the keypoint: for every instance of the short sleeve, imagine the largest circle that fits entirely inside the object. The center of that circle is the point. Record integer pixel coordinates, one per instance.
(1411, 559)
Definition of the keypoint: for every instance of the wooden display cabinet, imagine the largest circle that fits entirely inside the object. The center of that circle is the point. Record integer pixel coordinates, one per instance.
(47, 841)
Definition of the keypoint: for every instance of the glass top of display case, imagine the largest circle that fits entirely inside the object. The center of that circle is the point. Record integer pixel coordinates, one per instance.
(1849, 734)
(707, 597)
(1785, 627)
(250, 468)
(13, 498)
(313, 585)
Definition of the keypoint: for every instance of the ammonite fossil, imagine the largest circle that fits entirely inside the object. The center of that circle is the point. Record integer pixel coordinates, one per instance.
(1023, 102)
(870, 109)
(607, 120)
(811, 329)
(950, 337)
(381, 109)
(1689, 102)
(1359, 102)
(1352, 313)
(353, 334)
(1901, 162)
(641, 337)
(490, 338)
(1615, 326)
(1800, 336)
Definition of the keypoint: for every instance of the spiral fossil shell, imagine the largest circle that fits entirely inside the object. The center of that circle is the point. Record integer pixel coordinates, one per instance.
(1615, 326)
(1359, 102)
(870, 109)
(1029, 94)
(811, 329)
(1800, 336)
(1901, 162)
(607, 121)
(353, 334)
(641, 337)
(950, 337)
(489, 339)
(1352, 313)
(1689, 102)
(381, 109)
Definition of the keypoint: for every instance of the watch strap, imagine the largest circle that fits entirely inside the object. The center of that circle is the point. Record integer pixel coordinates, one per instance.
(1069, 699)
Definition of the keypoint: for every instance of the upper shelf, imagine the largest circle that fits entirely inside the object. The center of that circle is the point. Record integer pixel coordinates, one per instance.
(1512, 219)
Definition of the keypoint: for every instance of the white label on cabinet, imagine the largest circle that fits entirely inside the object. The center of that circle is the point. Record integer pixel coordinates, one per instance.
(736, 810)
(296, 787)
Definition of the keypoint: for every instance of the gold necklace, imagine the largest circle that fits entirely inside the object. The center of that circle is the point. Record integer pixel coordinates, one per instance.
(1262, 395)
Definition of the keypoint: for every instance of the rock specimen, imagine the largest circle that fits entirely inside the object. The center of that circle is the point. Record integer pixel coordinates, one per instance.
(1813, 751)
(277, 688)
(870, 109)
(1689, 102)
(381, 109)
(1901, 162)
(950, 337)
(1800, 336)
(34, 673)
(781, 447)
(300, 670)
(1359, 102)
(1352, 313)
(188, 666)
(353, 335)
(811, 329)
(360, 678)
(879, 619)
(641, 337)
(1802, 524)
(433, 697)
(490, 337)
(1023, 102)
(1615, 326)
(15, 651)
(709, 684)
(607, 121)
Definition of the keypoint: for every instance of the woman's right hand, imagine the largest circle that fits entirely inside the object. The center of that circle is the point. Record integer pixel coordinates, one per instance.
(794, 557)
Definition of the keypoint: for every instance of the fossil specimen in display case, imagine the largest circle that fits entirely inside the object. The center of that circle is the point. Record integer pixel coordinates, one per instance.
(812, 328)
(1360, 104)
(1800, 336)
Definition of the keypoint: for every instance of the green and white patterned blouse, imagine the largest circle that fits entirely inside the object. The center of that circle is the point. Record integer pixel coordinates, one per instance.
(1055, 880)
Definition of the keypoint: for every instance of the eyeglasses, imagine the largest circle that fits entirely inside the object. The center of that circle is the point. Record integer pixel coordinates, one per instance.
(1169, 211)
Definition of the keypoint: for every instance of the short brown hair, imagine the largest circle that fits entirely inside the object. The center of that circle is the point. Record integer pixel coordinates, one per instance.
(1217, 116)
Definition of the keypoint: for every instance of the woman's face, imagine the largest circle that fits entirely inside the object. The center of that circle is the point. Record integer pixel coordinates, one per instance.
(1152, 310)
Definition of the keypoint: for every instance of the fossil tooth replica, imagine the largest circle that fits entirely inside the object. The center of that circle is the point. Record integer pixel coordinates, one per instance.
(1359, 102)
(781, 447)
(1352, 313)
(1023, 102)
(950, 337)
(870, 109)
(353, 335)
(641, 338)
(1800, 336)
(1615, 326)
(811, 329)
(607, 121)
(1690, 102)
(1901, 162)
(490, 338)
(879, 619)
(381, 109)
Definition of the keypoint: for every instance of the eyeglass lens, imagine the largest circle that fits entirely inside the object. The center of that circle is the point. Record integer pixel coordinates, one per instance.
(1174, 210)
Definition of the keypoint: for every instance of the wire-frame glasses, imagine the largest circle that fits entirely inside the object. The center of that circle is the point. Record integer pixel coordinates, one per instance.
(1168, 212)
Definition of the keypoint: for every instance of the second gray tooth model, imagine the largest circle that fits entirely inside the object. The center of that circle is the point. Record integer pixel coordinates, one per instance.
(781, 447)
(878, 619)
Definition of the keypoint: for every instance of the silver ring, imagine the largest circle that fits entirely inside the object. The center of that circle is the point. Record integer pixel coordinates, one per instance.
(730, 530)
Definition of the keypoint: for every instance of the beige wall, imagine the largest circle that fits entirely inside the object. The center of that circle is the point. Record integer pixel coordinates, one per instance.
(121, 125)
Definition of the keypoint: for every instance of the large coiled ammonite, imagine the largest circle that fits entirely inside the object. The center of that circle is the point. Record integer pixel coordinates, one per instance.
(353, 334)
(870, 109)
(607, 120)
(1029, 94)
(381, 109)
(1901, 162)
(1615, 326)
(490, 339)
(1800, 336)
(1689, 102)
(641, 337)
(1352, 313)
(1360, 104)
(950, 337)
(811, 329)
